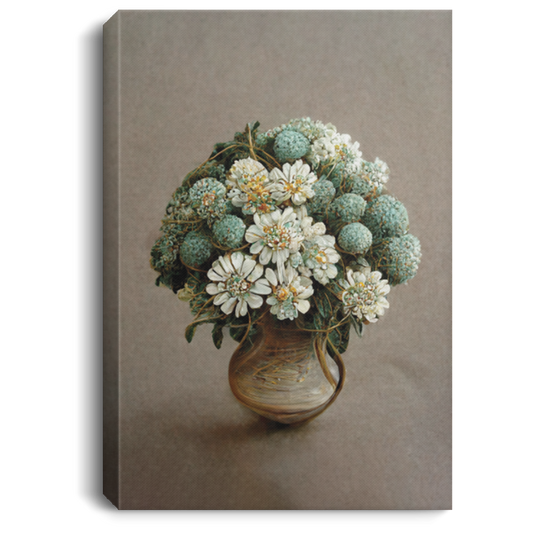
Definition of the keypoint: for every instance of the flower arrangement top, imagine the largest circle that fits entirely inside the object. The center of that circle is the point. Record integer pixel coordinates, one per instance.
(291, 222)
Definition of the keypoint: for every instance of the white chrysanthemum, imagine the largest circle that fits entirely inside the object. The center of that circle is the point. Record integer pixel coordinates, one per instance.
(245, 170)
(275, 236)
(311, 129)
(336, 146)
(308, 228)
(238, 283)
(289, 293)
(364, 296)
(294, 183)
(319, 258)
(381, 172)
(250, 187)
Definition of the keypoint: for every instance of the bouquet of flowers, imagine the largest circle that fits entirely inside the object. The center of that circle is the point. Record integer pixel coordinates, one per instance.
(292, 222)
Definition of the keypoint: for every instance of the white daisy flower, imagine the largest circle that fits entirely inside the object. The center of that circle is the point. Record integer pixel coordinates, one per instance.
(275, 236)
(377, 173)
(250, 186)
(245, 170)
(289, 293)
(238, 283)
(311, 129)
(336, 146)
(307, 225)
(319, 258)
(364, 296)
(381, 172)
(293, 183)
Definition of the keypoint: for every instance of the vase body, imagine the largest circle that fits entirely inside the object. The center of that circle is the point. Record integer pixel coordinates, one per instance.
(284, 374)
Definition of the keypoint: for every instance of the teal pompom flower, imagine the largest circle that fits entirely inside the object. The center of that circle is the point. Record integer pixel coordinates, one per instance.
(318, 205)
(355, 238)
(291, 145)
(344, 210)
(386, 217)
(208, 199)
(398, 258)
(229, 231)
(196, 249)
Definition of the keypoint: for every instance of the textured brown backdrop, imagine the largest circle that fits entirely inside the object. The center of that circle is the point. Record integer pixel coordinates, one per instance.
(187, 80)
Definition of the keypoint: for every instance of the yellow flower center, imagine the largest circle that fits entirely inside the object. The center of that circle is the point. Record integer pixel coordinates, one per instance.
(321, 257)
(283, 293)
(295, 186)
(277, 237)
(236, 285)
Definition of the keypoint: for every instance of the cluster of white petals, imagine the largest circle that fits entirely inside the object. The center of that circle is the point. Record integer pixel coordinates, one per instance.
(275, 236)
(237, 283)
(246, 171)
(308, 226)
(364, 295)
(319, 259)
(336, 146)
(294, 183)
(250, 186)
(286, 248)
(290, 293)
(282, 235)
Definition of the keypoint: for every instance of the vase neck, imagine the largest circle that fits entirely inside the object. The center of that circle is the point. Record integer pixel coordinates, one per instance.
(276, 332)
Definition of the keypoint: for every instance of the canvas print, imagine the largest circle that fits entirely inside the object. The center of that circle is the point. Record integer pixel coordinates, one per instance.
(278, 248)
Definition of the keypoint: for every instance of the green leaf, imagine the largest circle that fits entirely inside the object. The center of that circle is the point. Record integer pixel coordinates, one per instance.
(319, 305)
(217, 334)
(358, 326)
(253, 128)
(190, 330)
(339, 337)
(237, 333)
(319, 321)
(323, 305)
(344, 337)
(327, 305)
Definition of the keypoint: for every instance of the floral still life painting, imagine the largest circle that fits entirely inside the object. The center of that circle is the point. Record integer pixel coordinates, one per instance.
(286, 240)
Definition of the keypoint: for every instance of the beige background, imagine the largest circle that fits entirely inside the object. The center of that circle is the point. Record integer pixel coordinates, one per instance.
(190, 79)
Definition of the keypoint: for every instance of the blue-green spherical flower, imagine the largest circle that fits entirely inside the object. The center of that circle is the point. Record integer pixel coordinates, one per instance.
(342, 178)
(344, 210)
(386, 217)
(355, 238)
(208, 198)
(262, 140)
(377, 173)
(324, 194)
(217, 172)
(398, 258)
(229, 231)
(179, 202)
(164, 253)
(291, 145)
(196, 249)
(360, 186)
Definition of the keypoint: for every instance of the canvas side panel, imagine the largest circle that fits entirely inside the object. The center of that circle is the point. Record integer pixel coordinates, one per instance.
(111, 170)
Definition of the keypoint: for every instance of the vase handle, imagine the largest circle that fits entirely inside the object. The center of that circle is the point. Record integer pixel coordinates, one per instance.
(342, 375)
